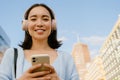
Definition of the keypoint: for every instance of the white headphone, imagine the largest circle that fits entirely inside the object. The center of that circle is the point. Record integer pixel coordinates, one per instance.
(24, 25)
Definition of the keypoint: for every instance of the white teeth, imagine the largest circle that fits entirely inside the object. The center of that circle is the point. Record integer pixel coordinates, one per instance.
(40, 30)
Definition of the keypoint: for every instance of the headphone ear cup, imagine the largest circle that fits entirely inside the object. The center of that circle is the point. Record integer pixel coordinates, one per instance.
(53, 24)
(24, 25)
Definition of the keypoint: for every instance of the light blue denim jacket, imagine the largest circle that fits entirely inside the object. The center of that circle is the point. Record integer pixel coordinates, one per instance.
(64, 65)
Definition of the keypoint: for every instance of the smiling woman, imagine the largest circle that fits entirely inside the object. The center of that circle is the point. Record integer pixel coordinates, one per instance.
(40, 38)
(40, 19)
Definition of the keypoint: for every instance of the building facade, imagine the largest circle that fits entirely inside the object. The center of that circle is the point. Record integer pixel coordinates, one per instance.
(4, 42)
(81, 57)
(95, 70)
(110, 53)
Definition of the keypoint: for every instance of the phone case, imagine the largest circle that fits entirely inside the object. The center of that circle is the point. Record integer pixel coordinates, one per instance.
(40, 59)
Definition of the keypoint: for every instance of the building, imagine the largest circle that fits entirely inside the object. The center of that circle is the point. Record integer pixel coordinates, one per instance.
(110, 53)
(95, 70)
(81, 56)
(4, 42)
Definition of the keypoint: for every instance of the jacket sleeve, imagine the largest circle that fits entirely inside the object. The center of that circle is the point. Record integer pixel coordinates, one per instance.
(72, 70)
(7, 65)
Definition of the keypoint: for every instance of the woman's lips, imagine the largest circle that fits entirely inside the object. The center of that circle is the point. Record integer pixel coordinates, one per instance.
(40, 31)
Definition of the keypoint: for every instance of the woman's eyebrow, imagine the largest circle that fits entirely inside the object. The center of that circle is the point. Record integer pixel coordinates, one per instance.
(45, 16)
(42, 16)
(33, 16)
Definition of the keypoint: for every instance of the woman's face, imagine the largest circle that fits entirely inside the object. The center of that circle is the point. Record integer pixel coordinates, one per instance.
(39, 23)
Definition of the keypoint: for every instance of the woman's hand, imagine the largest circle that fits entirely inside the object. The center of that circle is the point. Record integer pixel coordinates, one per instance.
(42, 75)
(29, 75)
(53, 75)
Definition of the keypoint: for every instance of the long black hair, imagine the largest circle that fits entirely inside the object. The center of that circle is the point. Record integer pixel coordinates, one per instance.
(52, 39)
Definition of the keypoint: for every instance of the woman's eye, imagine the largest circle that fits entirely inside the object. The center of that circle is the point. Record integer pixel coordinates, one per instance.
(33, 19)
(45, 19)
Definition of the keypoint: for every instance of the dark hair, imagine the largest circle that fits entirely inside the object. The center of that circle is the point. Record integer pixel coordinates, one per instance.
(52, 39)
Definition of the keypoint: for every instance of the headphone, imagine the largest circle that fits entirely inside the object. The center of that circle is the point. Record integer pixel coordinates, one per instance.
(25, 25)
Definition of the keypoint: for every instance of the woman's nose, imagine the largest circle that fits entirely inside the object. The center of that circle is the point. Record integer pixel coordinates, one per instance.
(39, 23)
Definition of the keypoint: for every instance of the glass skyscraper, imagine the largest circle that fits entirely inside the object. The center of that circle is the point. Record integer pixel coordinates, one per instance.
(4, 42)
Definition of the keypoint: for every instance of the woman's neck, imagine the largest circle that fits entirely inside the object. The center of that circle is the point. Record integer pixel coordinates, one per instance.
(40, 45)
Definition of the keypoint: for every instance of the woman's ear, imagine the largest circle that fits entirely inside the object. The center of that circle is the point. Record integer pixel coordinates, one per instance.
(24, 25)
(53, 24)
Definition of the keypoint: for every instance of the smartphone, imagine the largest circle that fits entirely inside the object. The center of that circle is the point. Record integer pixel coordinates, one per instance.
(40, 59)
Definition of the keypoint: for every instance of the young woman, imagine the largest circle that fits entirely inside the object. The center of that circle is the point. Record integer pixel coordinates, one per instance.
(40, 38)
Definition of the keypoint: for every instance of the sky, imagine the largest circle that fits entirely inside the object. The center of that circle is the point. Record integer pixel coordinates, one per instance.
(85, 21)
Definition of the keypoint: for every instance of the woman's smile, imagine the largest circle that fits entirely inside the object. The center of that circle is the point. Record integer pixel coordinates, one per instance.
(40, 31)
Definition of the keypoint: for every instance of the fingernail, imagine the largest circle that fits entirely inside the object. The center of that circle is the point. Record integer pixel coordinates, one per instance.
(39, 64)
(49, 77)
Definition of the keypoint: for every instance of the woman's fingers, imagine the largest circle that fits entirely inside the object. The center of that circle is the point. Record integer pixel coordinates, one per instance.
(43, 78)
(34, 67)
(39, 74)
(52, 70)
(53, 76)
(43, 75)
